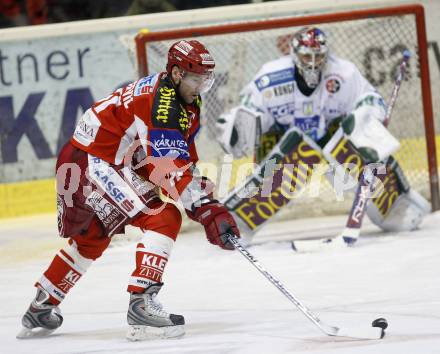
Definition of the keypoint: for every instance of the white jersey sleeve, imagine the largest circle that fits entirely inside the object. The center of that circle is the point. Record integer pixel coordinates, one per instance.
(357, 85)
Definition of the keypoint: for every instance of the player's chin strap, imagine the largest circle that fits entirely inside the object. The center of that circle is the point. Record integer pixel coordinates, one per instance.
(377, 330)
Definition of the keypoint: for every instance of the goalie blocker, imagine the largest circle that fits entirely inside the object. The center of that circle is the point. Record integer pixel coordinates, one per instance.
(292, 162)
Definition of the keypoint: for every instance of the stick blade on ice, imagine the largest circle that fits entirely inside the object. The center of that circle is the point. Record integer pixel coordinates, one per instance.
(360, 332)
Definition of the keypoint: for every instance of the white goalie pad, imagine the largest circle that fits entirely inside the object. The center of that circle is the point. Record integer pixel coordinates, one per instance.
(367, 133)
(240, 131)
(406, 214)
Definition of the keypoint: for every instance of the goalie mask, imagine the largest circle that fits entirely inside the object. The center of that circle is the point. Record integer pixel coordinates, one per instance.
(310, 51)
(195, 62)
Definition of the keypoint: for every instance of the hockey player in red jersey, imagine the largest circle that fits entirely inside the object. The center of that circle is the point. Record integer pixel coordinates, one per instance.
(124, 149)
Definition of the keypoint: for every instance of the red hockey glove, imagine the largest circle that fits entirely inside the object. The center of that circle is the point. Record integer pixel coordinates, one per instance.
(217, 221)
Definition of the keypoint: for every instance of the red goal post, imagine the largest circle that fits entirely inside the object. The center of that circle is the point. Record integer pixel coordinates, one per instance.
(384, 33)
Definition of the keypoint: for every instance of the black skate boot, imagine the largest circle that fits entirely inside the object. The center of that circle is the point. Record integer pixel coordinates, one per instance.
(147, 319)
(42, 317)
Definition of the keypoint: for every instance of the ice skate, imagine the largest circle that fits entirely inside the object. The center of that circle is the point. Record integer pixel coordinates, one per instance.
(41, 319)
(147, 319)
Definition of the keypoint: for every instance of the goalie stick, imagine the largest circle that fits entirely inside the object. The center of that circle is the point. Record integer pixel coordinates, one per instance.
(352, 229)
(376, 331)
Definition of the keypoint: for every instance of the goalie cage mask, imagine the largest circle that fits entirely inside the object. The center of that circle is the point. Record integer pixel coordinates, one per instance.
(310, 51)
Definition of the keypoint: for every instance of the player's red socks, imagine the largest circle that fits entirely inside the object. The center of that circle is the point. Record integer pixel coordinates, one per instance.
(62, 274)
(152, 255)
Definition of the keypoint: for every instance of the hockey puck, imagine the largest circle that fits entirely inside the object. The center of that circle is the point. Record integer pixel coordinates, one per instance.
(380, 323)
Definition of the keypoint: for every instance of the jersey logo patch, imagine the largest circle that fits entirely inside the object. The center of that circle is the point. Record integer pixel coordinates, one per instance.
(308, 108)
(332, 85)
(145, 85)
(278, 112)
(308, 125)
(168, 143)
(283, 89)
(275, 78)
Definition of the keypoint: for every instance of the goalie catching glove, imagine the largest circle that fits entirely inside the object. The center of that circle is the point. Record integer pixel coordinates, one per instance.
(217, 221)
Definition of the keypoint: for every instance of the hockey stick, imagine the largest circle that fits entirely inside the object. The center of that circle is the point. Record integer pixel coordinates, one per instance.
(397, 84)
(377, 331)
(352, 229)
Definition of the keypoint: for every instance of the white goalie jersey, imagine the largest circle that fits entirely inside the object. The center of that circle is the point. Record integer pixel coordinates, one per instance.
(273, 100)
(275, 94)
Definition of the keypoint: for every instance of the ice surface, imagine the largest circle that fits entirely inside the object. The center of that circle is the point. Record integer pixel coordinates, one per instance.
(228, 305)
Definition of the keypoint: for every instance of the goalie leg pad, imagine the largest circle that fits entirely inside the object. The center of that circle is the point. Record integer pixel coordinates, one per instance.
(278, 180)
(398, 207)
(406, 213)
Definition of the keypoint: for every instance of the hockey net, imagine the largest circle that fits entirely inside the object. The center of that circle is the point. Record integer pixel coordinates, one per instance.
(373, 39)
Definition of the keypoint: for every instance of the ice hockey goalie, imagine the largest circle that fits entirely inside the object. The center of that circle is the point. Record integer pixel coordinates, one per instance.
(328, 102)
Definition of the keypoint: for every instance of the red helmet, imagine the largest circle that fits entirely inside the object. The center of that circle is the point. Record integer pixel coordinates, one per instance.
(191, 56)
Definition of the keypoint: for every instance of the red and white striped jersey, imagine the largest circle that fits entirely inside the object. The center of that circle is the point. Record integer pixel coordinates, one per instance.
(148, 113)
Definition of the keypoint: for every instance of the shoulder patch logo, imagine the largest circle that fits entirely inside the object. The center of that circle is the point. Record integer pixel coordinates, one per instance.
(332, 85)
(145, 85)
(275, 78)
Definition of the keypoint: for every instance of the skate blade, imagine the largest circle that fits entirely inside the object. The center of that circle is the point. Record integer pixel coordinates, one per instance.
(27, 333)
(138, 333)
